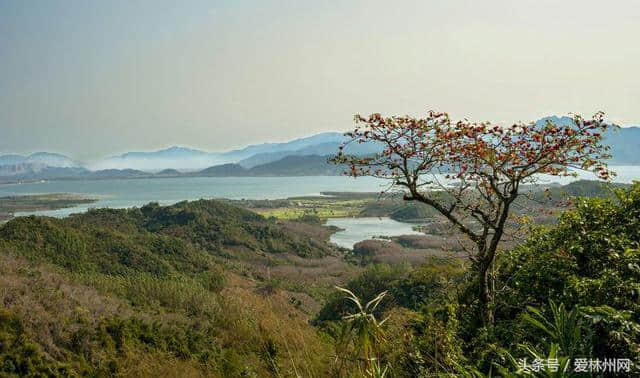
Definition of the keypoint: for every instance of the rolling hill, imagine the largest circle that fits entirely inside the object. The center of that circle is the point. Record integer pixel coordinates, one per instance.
(146, 291)
(223, 170)
(308, 165)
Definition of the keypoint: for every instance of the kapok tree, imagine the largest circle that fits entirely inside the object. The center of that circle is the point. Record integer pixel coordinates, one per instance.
(472, 173)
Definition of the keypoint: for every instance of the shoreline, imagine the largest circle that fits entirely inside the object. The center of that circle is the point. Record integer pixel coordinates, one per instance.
(9, 205)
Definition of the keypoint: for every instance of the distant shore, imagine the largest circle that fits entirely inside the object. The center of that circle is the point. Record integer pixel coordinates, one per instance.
(39, 202)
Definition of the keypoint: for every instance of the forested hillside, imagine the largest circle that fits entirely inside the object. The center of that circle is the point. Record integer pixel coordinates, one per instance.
(144, 292)
(208, 289)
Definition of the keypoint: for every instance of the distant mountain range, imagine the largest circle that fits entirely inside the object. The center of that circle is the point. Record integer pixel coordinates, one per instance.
(42, 158)
(179, 158)
(625, 145)
(299, 157)
(305, 165)
(624, 141)
(40, 164)
(328, 148)
(186, 159)
(330, 138)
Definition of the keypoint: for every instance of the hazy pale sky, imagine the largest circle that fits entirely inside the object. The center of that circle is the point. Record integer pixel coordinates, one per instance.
(94, 78)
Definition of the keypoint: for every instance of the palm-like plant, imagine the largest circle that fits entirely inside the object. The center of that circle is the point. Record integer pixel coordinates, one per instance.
(565, 327)
(365, 331)
(376, 369)
(562, 370)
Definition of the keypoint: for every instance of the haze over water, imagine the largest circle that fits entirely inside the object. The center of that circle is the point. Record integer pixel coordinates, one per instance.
(166, 191)
(123, 193)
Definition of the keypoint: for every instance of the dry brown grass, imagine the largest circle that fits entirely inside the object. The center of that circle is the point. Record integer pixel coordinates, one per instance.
(266, 333)
(52, 308)
(43, 296)
(268, 322)
(443, 244)
(151, 365)
(392, 252)
(318, 232)
(308, 279)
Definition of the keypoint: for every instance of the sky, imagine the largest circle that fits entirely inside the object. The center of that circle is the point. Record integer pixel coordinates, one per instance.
(97, 78)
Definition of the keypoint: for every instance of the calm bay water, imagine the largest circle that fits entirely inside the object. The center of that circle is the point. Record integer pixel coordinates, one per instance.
(166, 191)
(359, 229)
(137, 192)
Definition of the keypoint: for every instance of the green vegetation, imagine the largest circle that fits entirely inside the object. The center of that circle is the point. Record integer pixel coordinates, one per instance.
(340, 204)
(569, 291)
(318, 206)
(143, 292)
(589, 261)
(350, 204)
(205, 288)
(581, 188)
(395, 208)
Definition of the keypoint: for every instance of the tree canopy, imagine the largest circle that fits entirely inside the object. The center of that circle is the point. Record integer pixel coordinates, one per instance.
(484, 166)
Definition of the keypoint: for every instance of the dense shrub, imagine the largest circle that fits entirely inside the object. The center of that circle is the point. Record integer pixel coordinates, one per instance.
(19, 356)
(580, 278)
(398, 209)
(413, 288)
(590, 260)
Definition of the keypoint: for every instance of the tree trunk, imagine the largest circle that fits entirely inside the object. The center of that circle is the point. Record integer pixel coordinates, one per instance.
(486, 296)
(486, 265)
